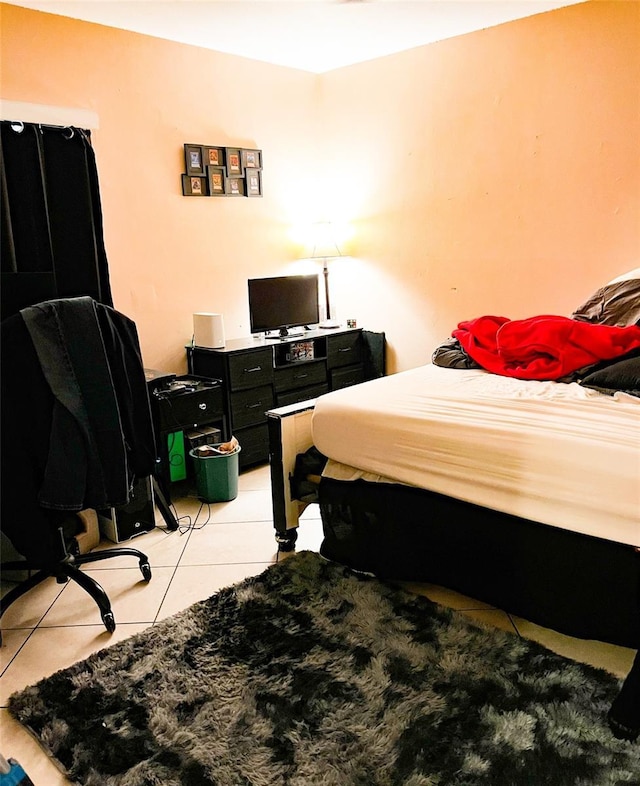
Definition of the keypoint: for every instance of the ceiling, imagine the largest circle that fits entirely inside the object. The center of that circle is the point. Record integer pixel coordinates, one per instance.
(312, 35)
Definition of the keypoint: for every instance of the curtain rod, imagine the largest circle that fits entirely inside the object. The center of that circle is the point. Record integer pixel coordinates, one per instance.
(48, 114)
(19, 125)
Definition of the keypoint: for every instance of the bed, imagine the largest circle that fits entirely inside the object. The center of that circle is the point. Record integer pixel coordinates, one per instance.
(522, 493)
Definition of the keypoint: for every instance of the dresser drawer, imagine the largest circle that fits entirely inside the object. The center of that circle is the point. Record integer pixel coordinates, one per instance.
(248, 407)
(344, 377)
(300, 375)
(250, 369)
(345, 349)
(190, 409)
(302, 394)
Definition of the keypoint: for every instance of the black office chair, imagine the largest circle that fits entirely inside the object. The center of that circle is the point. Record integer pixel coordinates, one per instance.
(76, 433)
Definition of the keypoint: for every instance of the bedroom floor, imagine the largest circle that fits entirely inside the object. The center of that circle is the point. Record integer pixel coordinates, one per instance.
(55, 625)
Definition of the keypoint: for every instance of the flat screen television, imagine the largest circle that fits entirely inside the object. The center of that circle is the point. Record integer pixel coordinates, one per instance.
(283, 302)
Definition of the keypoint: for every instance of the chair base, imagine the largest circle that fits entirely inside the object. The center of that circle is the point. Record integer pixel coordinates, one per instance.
(68, 568)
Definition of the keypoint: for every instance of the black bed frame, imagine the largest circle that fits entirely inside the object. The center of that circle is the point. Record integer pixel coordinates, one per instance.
(578, 585)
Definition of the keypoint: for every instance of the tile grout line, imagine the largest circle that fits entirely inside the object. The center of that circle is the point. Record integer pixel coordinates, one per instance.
(189, 532)
(34, 628)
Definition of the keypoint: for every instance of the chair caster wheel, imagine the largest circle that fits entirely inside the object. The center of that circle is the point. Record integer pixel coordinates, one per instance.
(109, 621)
(146, 571)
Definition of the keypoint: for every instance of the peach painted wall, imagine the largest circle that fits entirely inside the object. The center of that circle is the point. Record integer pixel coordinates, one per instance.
(493, 173)
(496, 172)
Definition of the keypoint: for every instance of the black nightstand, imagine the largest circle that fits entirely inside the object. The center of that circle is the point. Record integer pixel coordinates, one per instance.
(182, 407)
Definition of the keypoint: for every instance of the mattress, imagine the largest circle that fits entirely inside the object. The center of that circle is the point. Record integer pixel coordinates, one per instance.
(555, 453)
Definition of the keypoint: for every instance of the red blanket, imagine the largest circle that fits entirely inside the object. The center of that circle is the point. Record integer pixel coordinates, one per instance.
(544, 347)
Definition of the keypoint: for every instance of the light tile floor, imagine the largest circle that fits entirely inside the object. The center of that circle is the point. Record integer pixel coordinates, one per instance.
(55, 625)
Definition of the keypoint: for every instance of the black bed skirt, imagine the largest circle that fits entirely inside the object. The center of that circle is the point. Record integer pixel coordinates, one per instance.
(578, 585)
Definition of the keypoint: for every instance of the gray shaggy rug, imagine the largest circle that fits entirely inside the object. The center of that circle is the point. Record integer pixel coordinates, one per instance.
(309, 674)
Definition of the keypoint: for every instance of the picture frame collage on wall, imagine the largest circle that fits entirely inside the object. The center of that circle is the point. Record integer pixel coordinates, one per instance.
(214, 171)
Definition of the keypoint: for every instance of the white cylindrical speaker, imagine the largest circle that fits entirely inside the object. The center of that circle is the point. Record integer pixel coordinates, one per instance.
(208, 330)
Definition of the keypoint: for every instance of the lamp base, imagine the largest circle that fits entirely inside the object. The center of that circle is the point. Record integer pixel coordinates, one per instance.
(329, 324)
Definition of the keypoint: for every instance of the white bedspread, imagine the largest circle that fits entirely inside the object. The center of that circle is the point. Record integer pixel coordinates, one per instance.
(556, 453)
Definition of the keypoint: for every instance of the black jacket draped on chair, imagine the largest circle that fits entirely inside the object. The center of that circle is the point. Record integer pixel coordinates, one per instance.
(76, 423)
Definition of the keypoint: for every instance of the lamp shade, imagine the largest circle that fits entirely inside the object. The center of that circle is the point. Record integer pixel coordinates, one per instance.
(323, 242)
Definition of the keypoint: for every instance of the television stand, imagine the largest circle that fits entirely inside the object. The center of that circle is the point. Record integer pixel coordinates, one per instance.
(276, 373)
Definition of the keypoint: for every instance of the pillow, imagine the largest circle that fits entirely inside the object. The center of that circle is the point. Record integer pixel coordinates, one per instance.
(616, 303)
(451, 355)
(622, 374)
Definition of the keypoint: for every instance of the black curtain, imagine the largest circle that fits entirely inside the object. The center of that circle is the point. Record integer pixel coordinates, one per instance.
(52, 239)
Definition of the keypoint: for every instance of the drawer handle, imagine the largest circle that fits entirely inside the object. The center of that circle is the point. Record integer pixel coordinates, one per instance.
(253, 406)
(344, 349)
(251, 370)
(301, 376)
(202, 406)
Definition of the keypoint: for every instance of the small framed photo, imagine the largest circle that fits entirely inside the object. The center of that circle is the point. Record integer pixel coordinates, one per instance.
(193, 160)
(216, 176)
(254, 182)
(234, 186)
(301, 350)
(192, 185)
(233, 161)
(213, 156)
(251, 159)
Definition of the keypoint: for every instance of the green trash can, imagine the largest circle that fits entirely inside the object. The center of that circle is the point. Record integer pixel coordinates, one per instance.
(216, 475)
